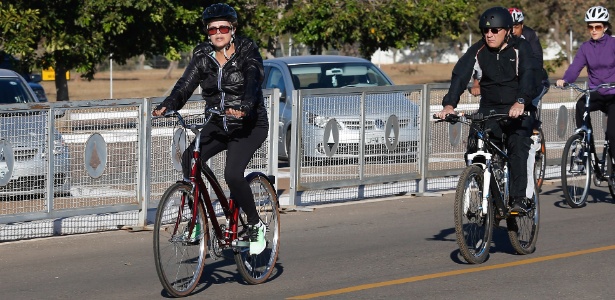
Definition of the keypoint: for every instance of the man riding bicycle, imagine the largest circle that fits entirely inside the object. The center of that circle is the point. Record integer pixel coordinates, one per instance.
(507, 86)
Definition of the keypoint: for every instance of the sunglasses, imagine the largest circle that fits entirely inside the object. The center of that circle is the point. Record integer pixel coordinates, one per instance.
(221, 29)
(596, 28)
(493, 30)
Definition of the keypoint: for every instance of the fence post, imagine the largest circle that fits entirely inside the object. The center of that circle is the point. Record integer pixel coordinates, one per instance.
(424, 140)
(144, 160)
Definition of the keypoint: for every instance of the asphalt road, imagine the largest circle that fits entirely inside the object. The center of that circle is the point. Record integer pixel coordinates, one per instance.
(393, 248)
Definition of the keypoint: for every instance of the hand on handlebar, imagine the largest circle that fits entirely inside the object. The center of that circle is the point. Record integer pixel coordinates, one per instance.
(516, 110)
(560, 83)
(235, 113)
(159, 112)
(447, 110)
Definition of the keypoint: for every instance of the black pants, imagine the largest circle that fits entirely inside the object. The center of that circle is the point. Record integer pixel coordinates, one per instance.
(604, 103)
(517, 141)
(241, 145)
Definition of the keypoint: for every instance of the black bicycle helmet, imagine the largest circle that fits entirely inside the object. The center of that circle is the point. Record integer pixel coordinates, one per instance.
(496, 17)
(219, 11)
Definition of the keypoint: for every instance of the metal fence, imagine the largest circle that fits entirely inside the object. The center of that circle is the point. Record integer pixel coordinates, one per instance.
(340, 161)
(111, 161)
(111, 164)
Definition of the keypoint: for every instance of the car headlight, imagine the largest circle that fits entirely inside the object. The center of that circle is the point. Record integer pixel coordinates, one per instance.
(316, 120)
(58, 146)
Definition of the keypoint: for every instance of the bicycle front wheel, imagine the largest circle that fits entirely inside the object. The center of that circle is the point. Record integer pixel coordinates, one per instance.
(576, 171)
(254, 268)
(540, 164)
(473, 224)
(179, 254)
(523, 228)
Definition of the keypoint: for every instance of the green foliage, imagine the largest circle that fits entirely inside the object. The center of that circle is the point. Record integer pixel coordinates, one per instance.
(373, 25)
(18, 30)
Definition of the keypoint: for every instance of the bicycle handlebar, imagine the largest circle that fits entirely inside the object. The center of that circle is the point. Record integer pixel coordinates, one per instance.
(574, 86)
(209, 113)
(475, 117)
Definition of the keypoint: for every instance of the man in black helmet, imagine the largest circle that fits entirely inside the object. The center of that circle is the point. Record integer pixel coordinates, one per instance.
(506, 86)
(229, 70)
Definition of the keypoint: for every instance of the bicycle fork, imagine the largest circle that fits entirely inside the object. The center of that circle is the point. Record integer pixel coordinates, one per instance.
(486, 179)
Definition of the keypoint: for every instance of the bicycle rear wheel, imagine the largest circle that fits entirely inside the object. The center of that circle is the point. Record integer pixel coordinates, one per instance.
(473, 227)
(257, 269)
(523, 228)
(576, 171)
(179, 255)
(540, 164)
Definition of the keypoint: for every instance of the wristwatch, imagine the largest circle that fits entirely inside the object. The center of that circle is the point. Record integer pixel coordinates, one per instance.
(521, 101)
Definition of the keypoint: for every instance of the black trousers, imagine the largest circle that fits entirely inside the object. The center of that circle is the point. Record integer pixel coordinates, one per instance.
(517, 141)
(604, 103)
(241, 145)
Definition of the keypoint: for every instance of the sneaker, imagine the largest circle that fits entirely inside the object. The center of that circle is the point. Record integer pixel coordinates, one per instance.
(257, 238)
(519, 205)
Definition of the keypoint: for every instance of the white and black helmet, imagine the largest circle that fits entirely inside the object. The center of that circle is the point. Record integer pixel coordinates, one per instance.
(597, 14)
(516, 14)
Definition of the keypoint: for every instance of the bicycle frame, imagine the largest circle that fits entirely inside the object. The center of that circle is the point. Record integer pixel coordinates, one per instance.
(587, 131)
(486, 150)
(231, 213)
(484, 143)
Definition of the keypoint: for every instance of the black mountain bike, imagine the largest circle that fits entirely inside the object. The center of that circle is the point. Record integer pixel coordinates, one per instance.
(580, 158)
(482, 197)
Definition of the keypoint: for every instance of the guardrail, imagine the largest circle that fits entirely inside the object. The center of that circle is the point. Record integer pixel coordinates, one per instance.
(111, 162)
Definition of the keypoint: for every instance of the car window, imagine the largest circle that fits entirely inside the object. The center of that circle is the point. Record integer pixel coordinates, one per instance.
(276, 80)
(338, 75)
(13, 91)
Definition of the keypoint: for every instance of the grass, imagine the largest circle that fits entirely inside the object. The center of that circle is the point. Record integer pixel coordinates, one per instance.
(151, 83)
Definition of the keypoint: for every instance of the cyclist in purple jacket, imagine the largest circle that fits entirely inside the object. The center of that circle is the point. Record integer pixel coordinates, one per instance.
(598, 55)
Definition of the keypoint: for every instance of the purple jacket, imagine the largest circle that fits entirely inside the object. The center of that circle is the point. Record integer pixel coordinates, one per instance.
(599, 58)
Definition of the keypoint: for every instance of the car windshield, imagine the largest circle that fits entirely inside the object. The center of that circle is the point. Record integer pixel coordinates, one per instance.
(336, 75)
(13, 90)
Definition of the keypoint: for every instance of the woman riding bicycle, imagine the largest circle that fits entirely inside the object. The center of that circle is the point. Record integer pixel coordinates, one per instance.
(598, 55)
(229, 70)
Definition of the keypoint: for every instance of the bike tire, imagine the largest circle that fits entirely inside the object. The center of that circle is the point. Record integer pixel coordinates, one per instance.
(609, 173)
(576, 175)
(523, 228)
(540, 165)
(473, 229)
(256, 269)
(179, 257)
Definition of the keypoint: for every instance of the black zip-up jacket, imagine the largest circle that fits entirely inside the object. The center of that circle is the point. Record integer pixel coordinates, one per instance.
(236, 84)
(507, 75)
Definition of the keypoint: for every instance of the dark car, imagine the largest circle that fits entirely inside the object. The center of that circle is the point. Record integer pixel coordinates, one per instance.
(11, 63)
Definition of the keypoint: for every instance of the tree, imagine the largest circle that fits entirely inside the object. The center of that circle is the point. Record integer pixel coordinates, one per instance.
(79, 34)
(373, 24)
(18, 30)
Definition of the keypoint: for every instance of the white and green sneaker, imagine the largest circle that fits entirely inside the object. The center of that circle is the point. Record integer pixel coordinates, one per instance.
(257, 238)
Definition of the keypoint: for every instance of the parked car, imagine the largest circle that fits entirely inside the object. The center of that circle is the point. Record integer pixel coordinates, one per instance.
(23, 148)
(332, 71)
(11, 63)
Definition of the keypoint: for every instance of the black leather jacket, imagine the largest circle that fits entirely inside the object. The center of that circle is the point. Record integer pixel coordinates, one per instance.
(236, 85)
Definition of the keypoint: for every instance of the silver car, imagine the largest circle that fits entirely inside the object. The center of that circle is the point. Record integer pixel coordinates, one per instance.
(23, 136)
(332, 71)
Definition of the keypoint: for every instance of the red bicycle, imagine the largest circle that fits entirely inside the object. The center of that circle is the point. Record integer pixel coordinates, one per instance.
(187, 224)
